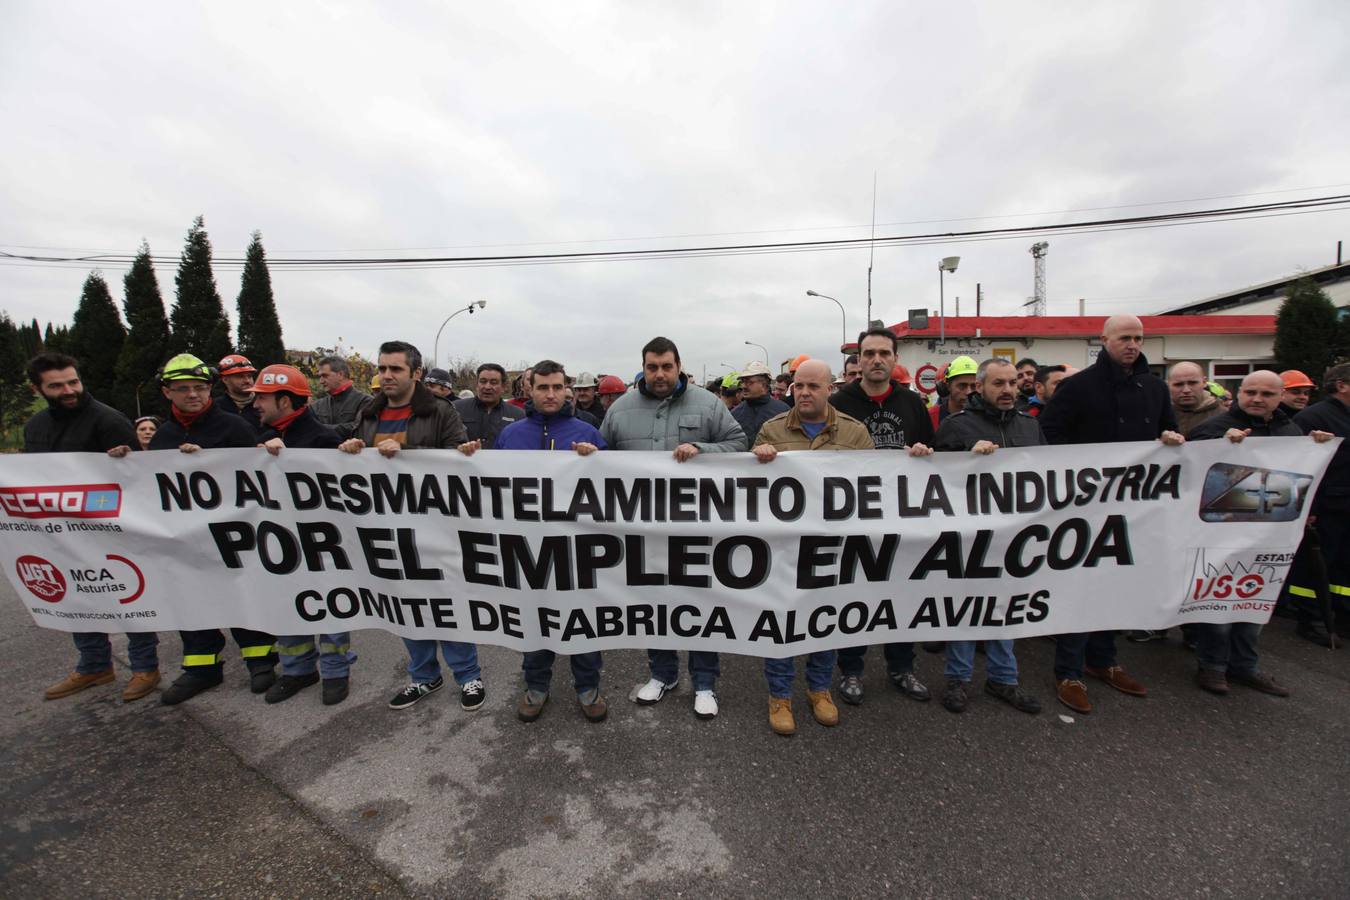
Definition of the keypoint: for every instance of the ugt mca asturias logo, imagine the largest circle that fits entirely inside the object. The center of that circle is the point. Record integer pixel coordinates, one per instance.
(76, 501)
(42, 579)
(116, 576)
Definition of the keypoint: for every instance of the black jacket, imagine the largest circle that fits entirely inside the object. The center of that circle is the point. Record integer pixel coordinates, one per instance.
(213, 430)
(1334, 416)
(248, 413)
(1277, 426)
(981, 422)
(1103, 404)
(483, 425)
(752, 414)
(305, 431)
(596, 411)
(894, 424)
(91, 427)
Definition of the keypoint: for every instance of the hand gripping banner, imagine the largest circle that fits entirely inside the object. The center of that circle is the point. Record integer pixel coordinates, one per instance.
(621, 549)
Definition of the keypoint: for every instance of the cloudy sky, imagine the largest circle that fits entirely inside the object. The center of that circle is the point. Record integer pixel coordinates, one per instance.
(486, 129)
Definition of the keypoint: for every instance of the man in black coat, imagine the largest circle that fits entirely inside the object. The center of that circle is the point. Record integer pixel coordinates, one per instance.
(1115, 399)
(896, 419)
(74, 422)
(759, 405)
(485, 414)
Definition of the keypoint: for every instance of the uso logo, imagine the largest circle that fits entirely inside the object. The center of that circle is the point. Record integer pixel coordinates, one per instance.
(71, 501)
(42, 579)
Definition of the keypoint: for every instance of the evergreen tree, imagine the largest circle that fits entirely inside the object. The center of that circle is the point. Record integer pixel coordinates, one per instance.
(96, 336)
(15, 397)
(259, 327)
(147, 343)
(197, 323)
(30, 339)
(1305, 330)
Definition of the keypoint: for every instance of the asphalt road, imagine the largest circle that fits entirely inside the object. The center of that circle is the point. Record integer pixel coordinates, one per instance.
(1178, 794)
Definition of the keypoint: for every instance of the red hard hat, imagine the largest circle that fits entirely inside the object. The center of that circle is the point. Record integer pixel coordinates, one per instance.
(282, 378)
(901, 374)
(612, 384)
(234, 364)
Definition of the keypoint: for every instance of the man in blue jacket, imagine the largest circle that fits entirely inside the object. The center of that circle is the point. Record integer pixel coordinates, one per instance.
(550, 424)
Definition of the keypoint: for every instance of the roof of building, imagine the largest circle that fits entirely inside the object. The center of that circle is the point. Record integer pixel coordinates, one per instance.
(1263, 291)
(994, 327)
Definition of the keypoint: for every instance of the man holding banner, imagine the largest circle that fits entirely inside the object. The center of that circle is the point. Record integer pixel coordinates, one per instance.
(550, 425)
(1115, 399)
(812, 424)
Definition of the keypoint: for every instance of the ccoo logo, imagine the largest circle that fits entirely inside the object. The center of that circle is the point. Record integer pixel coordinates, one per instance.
(42, 578)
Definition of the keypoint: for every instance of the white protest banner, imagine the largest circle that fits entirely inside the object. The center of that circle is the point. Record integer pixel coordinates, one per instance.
(535, 549)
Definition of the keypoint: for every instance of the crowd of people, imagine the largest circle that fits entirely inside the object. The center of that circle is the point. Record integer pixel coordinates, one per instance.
(983, 406)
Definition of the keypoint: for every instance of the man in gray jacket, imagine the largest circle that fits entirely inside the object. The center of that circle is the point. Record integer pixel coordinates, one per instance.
(341, 401)
(668, 412)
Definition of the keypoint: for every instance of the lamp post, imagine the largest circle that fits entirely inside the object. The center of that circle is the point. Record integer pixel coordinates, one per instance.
(945, 265)
(436, 348)
(763, 348)
(843, 321)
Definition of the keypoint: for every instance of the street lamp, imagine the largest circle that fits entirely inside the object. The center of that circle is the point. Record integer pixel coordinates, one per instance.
(436, 348)
(761, 347)
(843, 322)
(946, 264)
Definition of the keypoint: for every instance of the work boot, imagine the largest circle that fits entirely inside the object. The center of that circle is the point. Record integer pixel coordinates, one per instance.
(1212, 681)
(823, 708)
(189, 685)
(141, 683)
(1073, 694)
(287, 686)
(1118, 679)
(1012, 695)
(593, 706)
(75, 682)
(259, 680)
(531, 706)
(780, 716)
(335, 690)
(955, 698)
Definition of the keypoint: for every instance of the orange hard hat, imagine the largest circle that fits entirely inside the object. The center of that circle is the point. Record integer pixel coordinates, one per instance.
(281, 378)
(901, 374)
(234, 364)
(797, 361)
(1293, 378)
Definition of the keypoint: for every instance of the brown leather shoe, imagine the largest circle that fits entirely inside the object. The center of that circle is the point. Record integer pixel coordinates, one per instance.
(823, 708)
(531, 706)
(141, 683)
(1116, 677)
(1261, 682)
(1212, 681)
(1073, 694)
(75, 682)
(595, 712)
(780, 716)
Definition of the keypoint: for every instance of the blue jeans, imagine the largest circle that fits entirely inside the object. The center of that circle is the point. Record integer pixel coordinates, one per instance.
(704, 667)
(899, 659)
(96, 651)
(1228, 648)
(333, 657)
(1073, 651)
(780, 673)
(538, 668)
(462, 659)
(999, 662)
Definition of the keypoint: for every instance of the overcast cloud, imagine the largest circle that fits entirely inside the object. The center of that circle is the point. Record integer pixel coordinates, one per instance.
(337, 127)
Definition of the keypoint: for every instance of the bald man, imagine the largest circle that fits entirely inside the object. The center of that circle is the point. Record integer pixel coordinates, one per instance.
(1114, 399)
(1228, 652)
(1191, 403)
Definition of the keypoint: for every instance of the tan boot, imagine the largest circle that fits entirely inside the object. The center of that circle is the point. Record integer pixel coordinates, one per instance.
(75, 682)
(780, 716)
(823, 708)
(141, 683)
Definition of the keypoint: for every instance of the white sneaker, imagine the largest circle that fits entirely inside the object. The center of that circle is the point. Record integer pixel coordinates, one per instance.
(653, 691)
(705, 704)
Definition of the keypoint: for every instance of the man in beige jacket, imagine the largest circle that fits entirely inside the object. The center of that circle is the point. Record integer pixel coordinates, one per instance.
(813, 424)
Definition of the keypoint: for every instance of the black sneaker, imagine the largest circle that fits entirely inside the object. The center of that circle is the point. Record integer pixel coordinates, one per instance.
(1012, 695)
(414, 692)
(261, 679)
(188, 686)
(851, 689)
(911, 686)
(334, 690)
(955, 697)
(472, 695)
(287, 686)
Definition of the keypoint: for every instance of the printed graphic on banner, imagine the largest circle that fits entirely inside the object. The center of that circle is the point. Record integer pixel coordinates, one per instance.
(1235, 493)
(42, 579)
(1239, 579)
(77, 501)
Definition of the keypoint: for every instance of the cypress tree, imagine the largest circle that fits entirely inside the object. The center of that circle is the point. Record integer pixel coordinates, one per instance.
(146, 346)
(96, 337)
(259, 327)
(1305, 330)
(30, 339)
(197, 323)
(15, 397)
